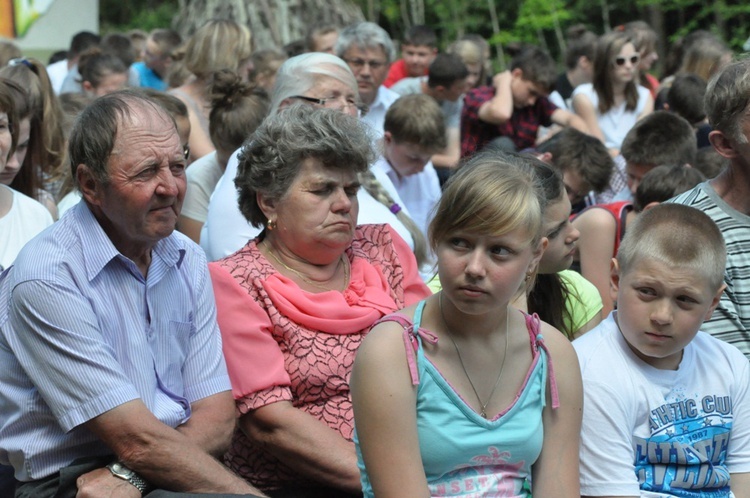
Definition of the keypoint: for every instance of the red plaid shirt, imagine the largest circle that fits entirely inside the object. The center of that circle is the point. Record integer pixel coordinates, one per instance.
(521, 127)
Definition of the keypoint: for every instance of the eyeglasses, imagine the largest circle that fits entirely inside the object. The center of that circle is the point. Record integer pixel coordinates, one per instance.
(335, 103)
(359, 64)
(620, 61)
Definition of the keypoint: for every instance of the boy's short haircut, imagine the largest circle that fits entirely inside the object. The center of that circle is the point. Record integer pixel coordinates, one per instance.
(709, 162)
(581, 43)
(664, 182)
(588, 156)
(685, 97)
(167, 40)
(315, 32)
(417, 119)
(537, 66)
(446, 70)
(727, 98)
(660, 138)
(420, 36)
(678, 236)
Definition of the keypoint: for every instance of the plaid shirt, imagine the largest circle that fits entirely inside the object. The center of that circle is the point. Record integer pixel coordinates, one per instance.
(521, 127)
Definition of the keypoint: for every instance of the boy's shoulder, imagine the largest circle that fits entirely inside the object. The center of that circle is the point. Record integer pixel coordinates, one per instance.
(597, 347)
(709, 349)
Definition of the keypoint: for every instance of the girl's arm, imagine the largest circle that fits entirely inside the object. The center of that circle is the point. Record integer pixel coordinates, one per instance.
(740, 485)
(384, 402)
(595, 248)
(555, 474)
(648, 108)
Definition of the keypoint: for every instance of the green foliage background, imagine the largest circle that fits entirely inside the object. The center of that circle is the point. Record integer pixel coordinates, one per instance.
(533, 21)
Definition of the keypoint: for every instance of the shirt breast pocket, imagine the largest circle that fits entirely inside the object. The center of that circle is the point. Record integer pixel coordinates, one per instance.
(172, 350)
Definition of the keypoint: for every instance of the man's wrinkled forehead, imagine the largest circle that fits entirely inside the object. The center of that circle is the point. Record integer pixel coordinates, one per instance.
(142, 115)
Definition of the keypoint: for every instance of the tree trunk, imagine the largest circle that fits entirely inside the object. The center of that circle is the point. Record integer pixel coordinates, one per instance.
(274, 23)
(605, 16)
(496, 31)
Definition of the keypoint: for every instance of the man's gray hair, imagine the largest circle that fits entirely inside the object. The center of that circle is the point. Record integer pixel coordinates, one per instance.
(297, 75)
(94, 132)
(365, 35)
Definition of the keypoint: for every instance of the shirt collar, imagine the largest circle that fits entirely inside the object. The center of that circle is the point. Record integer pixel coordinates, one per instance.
(98, 250)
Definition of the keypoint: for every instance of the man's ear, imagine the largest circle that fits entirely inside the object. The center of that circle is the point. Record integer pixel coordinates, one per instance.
(87, 86)
(722, 144)
(614, 279)
(517, 73)
(90, 188)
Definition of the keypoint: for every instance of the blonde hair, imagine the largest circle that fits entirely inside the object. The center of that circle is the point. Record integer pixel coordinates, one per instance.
(677, 236)
(218, 44)
(490, 194)
(380, 194)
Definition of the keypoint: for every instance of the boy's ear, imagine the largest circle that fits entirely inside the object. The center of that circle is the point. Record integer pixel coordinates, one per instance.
(722, 144)
(614, 279)
(650, 205)
(545, 157)
(715, 301)
(517, 73)
(387, 138)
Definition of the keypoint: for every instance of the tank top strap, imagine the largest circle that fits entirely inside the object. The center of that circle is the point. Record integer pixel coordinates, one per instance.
(533, 325)
(413, 335)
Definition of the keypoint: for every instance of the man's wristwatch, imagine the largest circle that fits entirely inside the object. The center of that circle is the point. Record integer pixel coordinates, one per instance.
(121, 471)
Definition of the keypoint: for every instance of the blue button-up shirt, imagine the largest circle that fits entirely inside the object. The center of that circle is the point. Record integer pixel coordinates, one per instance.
(82, 331)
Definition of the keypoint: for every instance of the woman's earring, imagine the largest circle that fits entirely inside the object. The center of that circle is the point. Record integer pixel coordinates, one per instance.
(271, 225)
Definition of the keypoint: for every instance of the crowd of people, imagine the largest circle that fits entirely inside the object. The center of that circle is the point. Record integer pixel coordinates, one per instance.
(322, 270)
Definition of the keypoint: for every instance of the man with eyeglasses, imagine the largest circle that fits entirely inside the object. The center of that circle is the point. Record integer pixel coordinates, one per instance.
(369, 51)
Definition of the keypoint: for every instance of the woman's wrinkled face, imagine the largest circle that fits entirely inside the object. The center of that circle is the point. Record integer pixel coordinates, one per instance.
(317, 215)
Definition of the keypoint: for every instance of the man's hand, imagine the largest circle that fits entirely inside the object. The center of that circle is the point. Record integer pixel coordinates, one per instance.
(100, 483)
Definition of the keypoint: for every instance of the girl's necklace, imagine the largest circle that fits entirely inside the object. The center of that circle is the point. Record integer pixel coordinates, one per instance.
(343, 260)
(483, 412)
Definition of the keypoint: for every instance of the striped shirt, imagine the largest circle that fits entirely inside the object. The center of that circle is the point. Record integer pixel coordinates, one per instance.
(731, 320)
(82, 332)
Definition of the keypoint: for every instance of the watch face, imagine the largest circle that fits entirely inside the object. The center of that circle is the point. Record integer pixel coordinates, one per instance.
(121, 471)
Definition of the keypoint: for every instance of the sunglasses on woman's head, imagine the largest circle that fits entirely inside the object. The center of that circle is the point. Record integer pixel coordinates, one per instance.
(620, 61)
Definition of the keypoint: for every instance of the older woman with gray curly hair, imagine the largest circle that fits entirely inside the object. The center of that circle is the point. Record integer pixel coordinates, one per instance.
(295, 303)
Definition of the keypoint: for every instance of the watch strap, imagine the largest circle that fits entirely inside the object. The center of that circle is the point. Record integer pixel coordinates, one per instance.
(123, 472)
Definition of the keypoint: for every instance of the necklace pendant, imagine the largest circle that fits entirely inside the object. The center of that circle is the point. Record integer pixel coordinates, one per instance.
(483, 414)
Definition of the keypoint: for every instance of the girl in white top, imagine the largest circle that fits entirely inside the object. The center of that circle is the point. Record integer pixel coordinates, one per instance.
(21, 217)
(614, 101)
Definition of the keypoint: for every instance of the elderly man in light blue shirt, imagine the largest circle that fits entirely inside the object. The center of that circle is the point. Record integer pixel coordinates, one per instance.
(113, 380)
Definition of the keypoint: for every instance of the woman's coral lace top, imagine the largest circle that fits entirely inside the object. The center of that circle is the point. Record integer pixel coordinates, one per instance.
(284, 344)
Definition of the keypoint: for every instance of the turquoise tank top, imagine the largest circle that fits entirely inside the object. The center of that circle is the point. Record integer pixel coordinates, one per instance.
(465, 455)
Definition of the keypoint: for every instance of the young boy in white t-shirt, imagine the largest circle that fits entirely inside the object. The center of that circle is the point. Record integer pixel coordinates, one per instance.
(666, 407)
(413, 131)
